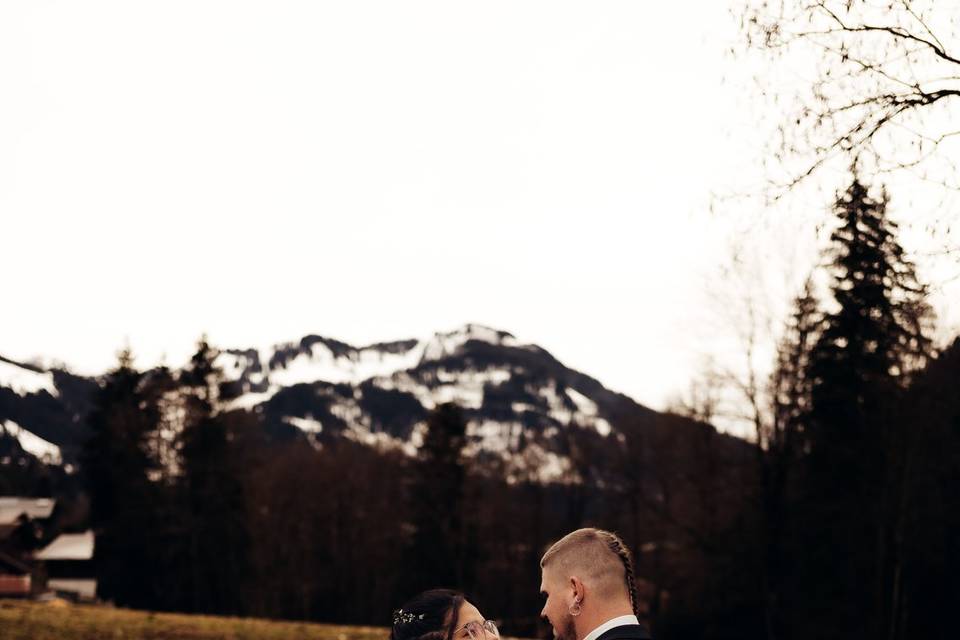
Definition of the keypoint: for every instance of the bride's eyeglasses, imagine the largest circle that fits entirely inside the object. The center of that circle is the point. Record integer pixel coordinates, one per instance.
(477, 630)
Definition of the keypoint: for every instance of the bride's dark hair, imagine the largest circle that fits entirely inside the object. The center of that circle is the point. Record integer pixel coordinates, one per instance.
(431, 615)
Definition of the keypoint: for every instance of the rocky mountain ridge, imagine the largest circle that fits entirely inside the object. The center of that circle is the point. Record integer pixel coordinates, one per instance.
(522, 406)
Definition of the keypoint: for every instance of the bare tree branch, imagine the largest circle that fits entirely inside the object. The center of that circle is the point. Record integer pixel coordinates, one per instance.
(881, 76)
(893, 31)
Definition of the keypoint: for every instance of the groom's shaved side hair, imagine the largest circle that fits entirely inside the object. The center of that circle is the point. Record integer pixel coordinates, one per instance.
(598, 557)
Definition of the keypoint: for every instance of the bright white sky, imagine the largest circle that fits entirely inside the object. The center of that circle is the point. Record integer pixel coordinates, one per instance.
(366, 171)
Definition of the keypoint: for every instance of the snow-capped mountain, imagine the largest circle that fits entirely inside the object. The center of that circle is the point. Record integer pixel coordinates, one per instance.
(522, 406)
(516, 397)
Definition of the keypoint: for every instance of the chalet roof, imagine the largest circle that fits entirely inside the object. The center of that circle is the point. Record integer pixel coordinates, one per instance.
(68, 546)
(11, 508)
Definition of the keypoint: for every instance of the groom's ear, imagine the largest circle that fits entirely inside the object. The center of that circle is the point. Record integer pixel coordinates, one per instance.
(576, 585)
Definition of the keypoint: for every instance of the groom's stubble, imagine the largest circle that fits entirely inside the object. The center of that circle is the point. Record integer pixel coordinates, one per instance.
(568, 630)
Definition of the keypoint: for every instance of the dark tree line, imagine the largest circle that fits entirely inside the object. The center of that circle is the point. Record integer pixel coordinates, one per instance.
(841, 521)
(201, 509)
(857, 500)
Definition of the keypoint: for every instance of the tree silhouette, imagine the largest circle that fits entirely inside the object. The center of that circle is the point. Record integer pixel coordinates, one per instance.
(436, 554)
(867, 348)
(779, 446)
(117, 468)
(213, 498)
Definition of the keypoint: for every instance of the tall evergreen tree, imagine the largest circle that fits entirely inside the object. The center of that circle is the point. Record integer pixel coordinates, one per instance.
(779, 446)
(790, 384)
(213, 499)
(117, 468)
(867, 347)
(436, 502)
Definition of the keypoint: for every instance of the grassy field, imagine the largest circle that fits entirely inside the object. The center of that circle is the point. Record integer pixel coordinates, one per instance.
(20, 620)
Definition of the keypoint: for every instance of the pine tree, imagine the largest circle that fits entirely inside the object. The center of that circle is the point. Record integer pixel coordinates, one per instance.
(213, 497)
(790, 385)
(436, 494)
(779, 445)
(117, 468)
(866, 350)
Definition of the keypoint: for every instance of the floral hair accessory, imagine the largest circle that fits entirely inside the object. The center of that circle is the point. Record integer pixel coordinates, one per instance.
(405, 617)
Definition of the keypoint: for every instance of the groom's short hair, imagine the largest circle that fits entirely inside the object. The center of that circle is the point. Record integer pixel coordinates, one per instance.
(598, 557)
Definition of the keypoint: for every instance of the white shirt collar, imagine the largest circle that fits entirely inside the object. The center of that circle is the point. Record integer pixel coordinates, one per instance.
(610, 624)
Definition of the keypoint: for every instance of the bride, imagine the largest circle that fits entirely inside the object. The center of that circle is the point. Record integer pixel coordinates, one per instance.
(441, 614)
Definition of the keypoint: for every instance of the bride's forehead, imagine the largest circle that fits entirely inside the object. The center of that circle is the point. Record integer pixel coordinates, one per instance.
(468, 613)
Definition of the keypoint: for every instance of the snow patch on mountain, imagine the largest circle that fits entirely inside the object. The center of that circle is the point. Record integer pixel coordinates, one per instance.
(403, 381)
(583, 412)
(352, 415)
(520, 407)
(465, 397)
(493, 436)
(307, 425)
(559, 407)
(587, 408)
(378, 440)
(475, 377)
(23, 381)
(447, 344)
(602, 426)
(233, 365)
(249, 401)
(466, 388)
(320, 363)
(359, 429)
(417, 437)
(538, 464)
(585, 405)
(33, 444)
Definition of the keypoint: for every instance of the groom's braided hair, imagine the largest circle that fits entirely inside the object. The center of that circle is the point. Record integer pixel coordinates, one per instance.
(616, 545)
(592, 551)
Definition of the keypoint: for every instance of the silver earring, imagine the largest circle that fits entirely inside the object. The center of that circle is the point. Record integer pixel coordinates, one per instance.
(575, 610)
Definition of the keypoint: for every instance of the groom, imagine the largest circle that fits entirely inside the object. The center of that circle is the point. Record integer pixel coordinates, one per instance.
(587, 581)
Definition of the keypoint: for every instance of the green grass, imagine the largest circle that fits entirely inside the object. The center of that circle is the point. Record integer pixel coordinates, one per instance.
(21, 620)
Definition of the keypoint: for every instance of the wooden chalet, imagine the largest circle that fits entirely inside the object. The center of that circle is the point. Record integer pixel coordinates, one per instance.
(68, 565)
(20, 531)
(16, 577)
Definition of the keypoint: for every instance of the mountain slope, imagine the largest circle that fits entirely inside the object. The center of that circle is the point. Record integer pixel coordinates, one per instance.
(527, 413)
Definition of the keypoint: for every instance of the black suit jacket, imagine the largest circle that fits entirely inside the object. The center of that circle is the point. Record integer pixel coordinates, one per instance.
(626, 632)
